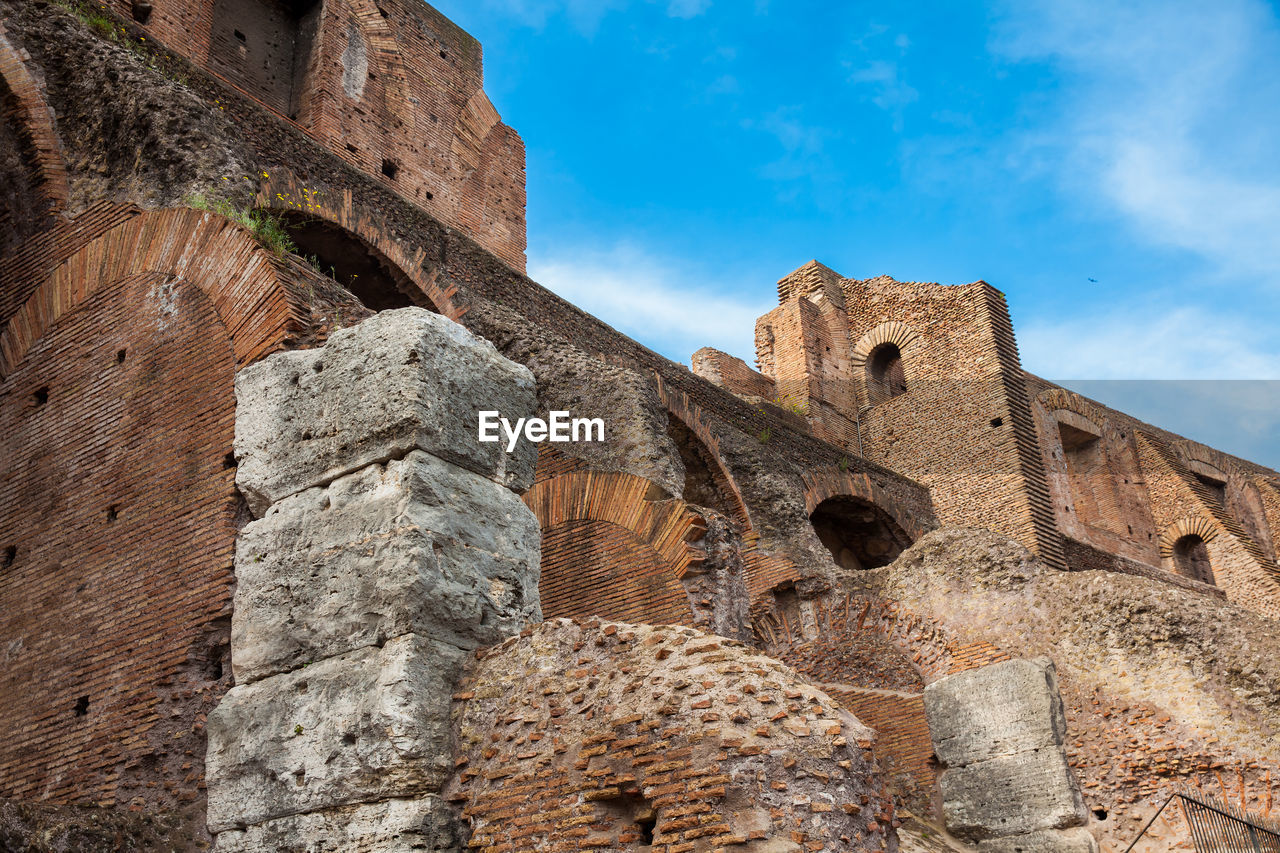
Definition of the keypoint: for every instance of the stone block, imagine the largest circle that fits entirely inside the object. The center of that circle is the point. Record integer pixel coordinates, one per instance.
(415, 546)
(397, 381)
(392, 826)
(996, 710)
(1011, 795)
(371, 724)
(1074, 840)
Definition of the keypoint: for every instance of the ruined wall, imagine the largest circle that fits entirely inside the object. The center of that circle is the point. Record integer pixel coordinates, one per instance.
(119, 508)
(1133, 491)
(599, 735)
(393, 88)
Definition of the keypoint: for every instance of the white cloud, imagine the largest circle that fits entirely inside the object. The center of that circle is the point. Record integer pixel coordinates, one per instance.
(1167, 118)
(1143, 342)
(664, 305)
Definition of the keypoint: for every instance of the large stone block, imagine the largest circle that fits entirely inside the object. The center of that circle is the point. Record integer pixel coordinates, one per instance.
(1011, 795)
(1075, 840)
(393, 826)
(397, 381)
(415, 546)
(371, 724)
(994, 711)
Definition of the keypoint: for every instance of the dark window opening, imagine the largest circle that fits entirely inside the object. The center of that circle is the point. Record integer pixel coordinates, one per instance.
(1191, 558)
(265, 47)
(858, 533)
(82, 706)
(141, 11)
(1100, 814)
(229, 461)
(120, 356)
(390, 169)
(10, 555)
(41, 396)
(996, 422)
(886, 377)
(357, 266)
(703, 483)
(113, 512)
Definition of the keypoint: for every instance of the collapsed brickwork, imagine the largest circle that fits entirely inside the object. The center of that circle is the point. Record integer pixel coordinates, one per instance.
(791, 508)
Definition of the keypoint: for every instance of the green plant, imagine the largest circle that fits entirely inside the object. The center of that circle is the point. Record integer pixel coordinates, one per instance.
(297, 730)
(793, 406)
(267, 228)
(843, 464)
(765, 435)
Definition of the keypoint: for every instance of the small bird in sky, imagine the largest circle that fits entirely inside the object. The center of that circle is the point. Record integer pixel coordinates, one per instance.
(1094, 280)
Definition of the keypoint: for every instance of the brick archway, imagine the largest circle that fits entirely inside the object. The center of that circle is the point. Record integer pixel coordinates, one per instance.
(610, 551)
(219, 257)
(281, 192)
(1189, 526)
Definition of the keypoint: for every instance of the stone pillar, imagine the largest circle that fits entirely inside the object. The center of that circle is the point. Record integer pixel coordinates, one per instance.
(1000, 731)
(390, 543)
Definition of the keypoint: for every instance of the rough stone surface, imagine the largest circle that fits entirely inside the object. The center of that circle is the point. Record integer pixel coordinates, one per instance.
(1011, 795)
(413, 546)
(368, 725)
(575, 735)
(401, 380)
(1075, 840)
(394, 826)
(995, 711)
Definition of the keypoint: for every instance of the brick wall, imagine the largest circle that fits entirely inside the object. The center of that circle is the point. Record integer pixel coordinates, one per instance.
(391, 87)
(663, 739)
(120, 519)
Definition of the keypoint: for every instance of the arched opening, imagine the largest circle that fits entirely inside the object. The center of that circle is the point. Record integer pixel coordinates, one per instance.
(353, 263)
(1191, 558)
(885, 375)
(704, 485)
(858, 533)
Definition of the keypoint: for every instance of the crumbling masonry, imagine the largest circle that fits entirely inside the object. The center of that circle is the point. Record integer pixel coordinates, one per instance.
(261, 588)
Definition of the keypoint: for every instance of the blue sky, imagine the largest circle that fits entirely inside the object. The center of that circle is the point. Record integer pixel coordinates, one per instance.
(685, 154)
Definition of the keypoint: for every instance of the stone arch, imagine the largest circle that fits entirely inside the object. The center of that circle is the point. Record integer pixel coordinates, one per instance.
(609, 549)
(283, 193)
(1197, 526)
(880, 356)
(699, 449)
(1232, 487)
(1191, 559)
(27, 119)
(240, 278)
(859, 534)
(824, 484)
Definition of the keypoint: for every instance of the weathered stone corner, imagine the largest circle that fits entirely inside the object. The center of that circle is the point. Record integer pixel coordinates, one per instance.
(398, 381)
(389, 546)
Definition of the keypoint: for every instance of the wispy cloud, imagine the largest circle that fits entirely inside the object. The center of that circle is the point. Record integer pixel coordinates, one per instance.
(687, 8)
(585, 15)
(806, 166)
(1168, 118)
(663, 303)
(1139, 342)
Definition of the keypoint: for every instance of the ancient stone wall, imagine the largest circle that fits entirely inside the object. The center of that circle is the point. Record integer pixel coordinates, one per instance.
(389, 546)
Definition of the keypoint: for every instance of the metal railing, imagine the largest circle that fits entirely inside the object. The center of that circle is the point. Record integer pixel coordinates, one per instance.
(1217, 827)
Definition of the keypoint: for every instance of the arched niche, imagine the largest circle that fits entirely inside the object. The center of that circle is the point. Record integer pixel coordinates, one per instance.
(859, 534)
(1191, 558)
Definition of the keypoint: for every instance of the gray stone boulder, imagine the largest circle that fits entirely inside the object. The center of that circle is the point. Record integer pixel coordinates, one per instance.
(1023, 711)
(415, 546)
(369, 725)
(999, 730)
(398, 381)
